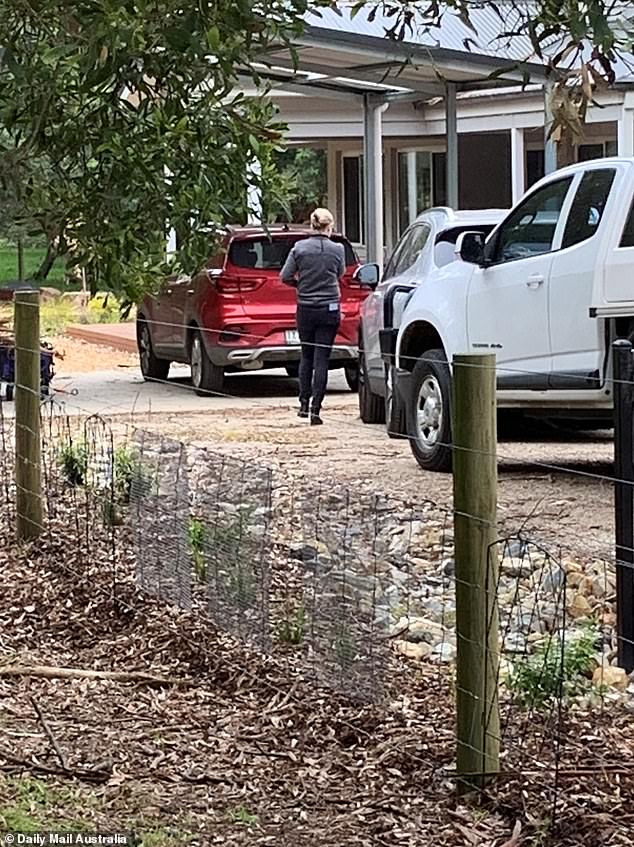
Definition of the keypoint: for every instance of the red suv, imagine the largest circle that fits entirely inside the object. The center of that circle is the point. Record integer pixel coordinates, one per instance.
(237, 315)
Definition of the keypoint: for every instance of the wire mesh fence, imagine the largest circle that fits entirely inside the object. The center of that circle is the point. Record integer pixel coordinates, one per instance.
(159, 493)
(352, 587)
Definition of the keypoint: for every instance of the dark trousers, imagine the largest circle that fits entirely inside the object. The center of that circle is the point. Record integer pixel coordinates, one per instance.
(317, 327)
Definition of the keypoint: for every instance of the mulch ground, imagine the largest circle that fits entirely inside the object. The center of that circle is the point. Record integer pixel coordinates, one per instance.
(247, 750)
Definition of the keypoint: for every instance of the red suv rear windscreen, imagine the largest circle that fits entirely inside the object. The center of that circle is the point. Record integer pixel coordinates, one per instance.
(270, 253)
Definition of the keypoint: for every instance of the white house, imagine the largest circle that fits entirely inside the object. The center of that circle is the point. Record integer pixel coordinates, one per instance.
(422, 122)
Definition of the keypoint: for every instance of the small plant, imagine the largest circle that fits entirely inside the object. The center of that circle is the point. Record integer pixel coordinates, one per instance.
(102, 309)
(226, 544)
(111, 514)
(538, 681)
(197, 536)
(344, 646)
(242, 585)
(130, 474)
(243, 816)
(73, 460)
(292, 629)
(162, 837)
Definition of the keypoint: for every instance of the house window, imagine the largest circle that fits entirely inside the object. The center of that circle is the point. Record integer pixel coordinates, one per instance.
(534, 166)
(414, 186)
(353, 198)
(600, 150)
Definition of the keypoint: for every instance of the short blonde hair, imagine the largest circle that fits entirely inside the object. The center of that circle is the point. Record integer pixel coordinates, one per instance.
(321, 219)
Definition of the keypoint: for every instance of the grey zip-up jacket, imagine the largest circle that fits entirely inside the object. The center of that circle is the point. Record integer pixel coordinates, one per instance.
(315, 265)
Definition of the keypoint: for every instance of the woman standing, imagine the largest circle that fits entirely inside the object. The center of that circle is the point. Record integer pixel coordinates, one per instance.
(314, 266)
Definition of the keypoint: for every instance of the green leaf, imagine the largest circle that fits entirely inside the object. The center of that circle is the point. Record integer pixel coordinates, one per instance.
(213, 38)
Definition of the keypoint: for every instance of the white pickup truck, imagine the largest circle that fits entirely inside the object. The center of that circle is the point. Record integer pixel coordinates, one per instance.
(548, 291)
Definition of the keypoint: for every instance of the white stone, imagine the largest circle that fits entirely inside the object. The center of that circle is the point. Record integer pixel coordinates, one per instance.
(444, 652)
(413, 651)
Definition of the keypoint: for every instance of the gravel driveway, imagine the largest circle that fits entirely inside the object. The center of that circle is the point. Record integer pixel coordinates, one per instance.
(555, 484)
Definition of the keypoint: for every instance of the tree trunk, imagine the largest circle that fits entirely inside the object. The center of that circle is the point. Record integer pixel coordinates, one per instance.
(45, 268)
(20, 260)
(92, 277)
(566, 153)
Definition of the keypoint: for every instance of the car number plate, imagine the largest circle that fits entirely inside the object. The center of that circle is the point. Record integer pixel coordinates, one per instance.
(292, 336)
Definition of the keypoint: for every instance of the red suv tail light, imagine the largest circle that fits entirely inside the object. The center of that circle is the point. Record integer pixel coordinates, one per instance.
(230, 283)
(349, 280)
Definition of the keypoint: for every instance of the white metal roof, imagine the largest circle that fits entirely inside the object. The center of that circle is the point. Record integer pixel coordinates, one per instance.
(492, 25)
(352, 55)
(339, 54)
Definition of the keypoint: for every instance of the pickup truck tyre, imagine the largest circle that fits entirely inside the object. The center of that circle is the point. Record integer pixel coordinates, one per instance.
(292, 370)
(352, 376)
(395, 411)
(371, 406)
(429, 426)
(207, 378)
(152, 368)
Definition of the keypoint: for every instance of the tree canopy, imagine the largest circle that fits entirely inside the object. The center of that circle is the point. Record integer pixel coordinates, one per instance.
(121, 120)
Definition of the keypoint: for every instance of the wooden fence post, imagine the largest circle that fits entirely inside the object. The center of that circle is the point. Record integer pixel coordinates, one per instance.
(623, 373)
(474, 430)
(28, 472)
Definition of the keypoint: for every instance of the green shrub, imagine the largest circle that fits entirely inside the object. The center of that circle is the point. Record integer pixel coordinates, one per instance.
(197, 535)
(345, 649)
(102, 309)
(242, 585)
(292, 628)
(538, 681)
(242, 815)
(73, 460)
(130, 473)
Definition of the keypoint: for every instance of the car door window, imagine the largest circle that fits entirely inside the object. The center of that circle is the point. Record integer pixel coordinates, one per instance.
(408, 250)
(587, 208)
(412, 248)
(530, 229)
(390, 268)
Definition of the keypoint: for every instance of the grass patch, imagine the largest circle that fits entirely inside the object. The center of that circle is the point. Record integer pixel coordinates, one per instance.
(162, 837)
(33, 258)
(242, 815)
(34, 805)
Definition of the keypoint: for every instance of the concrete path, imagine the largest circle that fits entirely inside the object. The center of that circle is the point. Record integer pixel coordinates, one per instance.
(123, 392)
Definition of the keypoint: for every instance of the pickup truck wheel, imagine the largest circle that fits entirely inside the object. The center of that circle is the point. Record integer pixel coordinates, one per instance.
(429, 427)
(152, 368)
(352, 376)
(395, 417)
(292, 370)
(371, 406)
(207, 378)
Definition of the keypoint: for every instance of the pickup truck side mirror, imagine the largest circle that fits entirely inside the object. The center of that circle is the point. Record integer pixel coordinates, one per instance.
(470, 247)
(367, 275)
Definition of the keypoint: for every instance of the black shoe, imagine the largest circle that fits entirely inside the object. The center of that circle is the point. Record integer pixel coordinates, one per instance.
(315, 420)
(303, 409)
